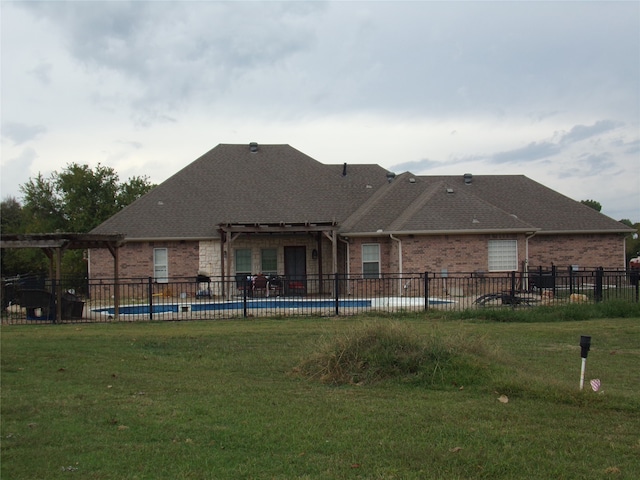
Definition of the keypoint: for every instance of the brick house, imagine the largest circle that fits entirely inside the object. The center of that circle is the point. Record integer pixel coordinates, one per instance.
(245, 209)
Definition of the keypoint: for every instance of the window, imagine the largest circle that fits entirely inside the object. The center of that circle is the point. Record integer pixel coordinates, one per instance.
(243, 260)
(503, 255)
(371, 260)
(161, 265)
(269, 263)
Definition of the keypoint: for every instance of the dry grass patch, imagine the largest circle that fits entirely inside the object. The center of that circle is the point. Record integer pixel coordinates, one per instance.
(386, 350)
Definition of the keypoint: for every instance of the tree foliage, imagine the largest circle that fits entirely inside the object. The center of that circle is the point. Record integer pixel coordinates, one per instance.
(79, 198)
(633, 240)
(592, 204)
(75, 200)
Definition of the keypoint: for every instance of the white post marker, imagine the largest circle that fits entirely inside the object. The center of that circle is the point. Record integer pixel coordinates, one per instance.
(585, 345)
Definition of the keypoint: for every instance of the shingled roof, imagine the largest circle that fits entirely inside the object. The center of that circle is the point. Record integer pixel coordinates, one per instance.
(245, 184)
(474, 204)
(241, 184)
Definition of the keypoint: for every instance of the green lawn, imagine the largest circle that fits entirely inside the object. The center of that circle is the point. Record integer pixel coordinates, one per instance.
(222, 399)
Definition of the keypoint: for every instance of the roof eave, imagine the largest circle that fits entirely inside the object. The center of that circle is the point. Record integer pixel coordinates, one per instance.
(583, 232)
(489, 231)
(169, 239)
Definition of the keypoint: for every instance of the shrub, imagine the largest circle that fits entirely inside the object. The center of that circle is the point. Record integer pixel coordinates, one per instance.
(376, 352)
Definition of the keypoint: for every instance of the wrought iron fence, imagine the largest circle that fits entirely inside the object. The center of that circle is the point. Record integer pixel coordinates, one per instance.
(144, 299)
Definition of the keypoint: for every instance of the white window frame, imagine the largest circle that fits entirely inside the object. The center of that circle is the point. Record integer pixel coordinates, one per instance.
(161, 265)
(503, 255)
(370, 256)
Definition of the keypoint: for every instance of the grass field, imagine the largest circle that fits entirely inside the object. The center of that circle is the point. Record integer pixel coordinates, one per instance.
(230, 399)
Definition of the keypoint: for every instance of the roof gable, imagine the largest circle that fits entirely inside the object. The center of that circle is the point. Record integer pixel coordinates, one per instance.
(233, 184)
(533, 203)
(418, 205)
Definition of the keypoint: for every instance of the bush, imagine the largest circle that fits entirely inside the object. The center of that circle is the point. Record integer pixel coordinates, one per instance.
(382, 351)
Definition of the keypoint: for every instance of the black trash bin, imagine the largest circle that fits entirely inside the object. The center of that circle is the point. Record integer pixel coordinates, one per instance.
(72, 306)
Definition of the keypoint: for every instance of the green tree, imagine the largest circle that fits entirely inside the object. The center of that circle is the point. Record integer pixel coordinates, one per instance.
(75, 200)
(592, 204)
(17, 261)
(633, 240)
(42, 206)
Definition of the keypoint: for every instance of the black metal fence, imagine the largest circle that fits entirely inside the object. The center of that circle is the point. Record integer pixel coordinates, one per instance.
(144, 299)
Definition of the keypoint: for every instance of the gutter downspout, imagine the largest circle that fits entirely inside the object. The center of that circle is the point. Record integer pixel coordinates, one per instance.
(526, 257)
(400, 291)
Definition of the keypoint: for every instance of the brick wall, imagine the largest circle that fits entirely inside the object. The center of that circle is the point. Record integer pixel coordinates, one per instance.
(450, 253)
(438, 253)
(136, 260)
(582, 250)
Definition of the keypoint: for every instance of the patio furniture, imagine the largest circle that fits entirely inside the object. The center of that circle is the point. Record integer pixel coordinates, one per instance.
(260, 285)
(243, 282)
(275, 285)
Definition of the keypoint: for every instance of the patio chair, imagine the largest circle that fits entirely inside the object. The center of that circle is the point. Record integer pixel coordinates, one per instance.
(260, 285)
(275, 285)
(243, 282)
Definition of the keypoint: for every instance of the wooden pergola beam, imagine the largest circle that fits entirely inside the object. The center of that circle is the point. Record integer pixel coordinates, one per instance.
(54, 244)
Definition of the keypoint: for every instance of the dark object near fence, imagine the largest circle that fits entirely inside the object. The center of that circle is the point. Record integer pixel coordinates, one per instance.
(543, 279)
(40, 304)
(634, 271)
(200, 292)
(505, 299)
(72, 306)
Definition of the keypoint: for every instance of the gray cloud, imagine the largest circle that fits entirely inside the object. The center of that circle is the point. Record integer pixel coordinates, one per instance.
(20, 133)
(532, 152)
(588, 165)
(582, 132)
(416, 166)
(546, 148)
(412, 57)
(177, 53)
(42, 72)
(13, 172)
(319, 75)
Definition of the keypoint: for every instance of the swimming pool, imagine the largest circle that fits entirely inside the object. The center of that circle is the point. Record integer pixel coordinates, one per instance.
(269, 303)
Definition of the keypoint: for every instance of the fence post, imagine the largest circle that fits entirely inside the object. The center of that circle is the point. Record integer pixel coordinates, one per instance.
(150, 294)
(245, 285)
(597, 294)
(336, 288)
(571, 275)
(426, 291)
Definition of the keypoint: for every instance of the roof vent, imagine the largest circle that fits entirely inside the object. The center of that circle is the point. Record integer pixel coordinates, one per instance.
(253, 146)
(412, 180)
(468, 178)
(390, 176)
(449, 190)
(344, 169)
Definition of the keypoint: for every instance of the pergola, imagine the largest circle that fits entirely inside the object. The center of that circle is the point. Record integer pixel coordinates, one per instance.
(231, 231)
(55, 244)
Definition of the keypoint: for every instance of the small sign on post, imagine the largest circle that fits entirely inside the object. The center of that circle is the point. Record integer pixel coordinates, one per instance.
(585, 345)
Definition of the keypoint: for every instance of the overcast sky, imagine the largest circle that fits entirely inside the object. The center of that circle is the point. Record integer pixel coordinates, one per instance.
(547, 89)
